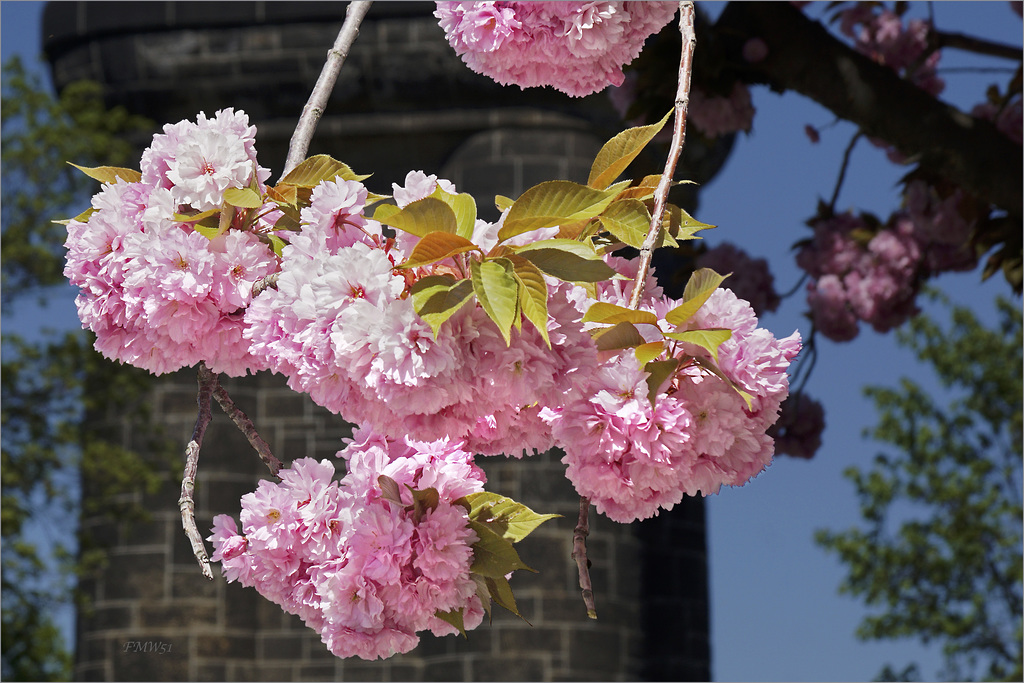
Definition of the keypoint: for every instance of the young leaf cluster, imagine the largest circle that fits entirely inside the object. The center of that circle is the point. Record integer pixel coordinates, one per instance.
(498, 523)
(508, 279)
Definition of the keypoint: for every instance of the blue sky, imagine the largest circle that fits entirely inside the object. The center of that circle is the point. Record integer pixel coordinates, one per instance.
(775, 610)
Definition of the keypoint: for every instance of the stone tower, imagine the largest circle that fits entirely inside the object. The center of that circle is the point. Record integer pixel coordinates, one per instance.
(404, 101)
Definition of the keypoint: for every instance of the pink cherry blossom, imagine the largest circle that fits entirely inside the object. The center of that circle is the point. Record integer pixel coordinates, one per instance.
(576, 47)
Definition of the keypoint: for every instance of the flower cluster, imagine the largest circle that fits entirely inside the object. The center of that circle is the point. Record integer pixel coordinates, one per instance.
(860, 274)
(677, 404)
(715, 115)
(158, 294)
(798, 430)
(632, 453)
(576, 47)
(863, 271)
(364, 570)
(341, 326)
(1008, 116)
(881, 34)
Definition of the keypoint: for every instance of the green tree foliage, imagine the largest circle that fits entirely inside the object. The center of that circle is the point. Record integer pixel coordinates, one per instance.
(50, 385)
(939, 554)
(40, 134)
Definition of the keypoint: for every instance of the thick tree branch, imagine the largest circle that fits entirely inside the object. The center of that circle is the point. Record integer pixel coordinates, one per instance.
(803, 56)
(314, 108)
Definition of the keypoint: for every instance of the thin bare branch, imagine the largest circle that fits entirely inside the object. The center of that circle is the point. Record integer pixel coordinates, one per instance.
(579, 553)
(207, 383)
(246, 426)
(961, 41)
(265, 283)
(842, 168)
(314, 108)
(682, 104)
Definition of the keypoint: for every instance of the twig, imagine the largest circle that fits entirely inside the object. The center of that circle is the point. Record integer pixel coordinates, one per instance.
(682, 104)
(980, 46)
(842, 169)
(579, 553)
(246, 426)
(207, 382)
(265, 283)
(314, 108)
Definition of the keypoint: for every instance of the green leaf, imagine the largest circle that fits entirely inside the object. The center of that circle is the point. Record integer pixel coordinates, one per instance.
(683, 225)
(82, 217)
(436, 246)
(437, 298)
(622, 335)
(424, 500)
(569, 266)
(628, 220)
(454, 617)
(206, 231)
(643, 190)
(510, 519)
(493, 556)
(282, 193)
(660, 371)
(497, 291)
(713, 369)
(195, 217)
(243, 197)
(501, 202)
(619, 152)
(708, 339)
(699, 288)
(553, 203)
(501, 592)
(276, 243)
(110, 174)
(316, 169)
(419, 218)
(604, 312)
(483, 592)
(463, 206)
(533, 294)
(389, 490)
(645, 353)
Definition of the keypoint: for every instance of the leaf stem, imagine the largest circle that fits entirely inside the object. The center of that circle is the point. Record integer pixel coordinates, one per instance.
(314, 108)
(207, 383)
(682, 104)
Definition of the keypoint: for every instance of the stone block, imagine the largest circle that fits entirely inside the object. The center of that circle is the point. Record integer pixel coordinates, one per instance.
(285, 645)
(135, 577)
(598, 652)
(227, 647)
(520, 668)
(454, 669)
(180, 613)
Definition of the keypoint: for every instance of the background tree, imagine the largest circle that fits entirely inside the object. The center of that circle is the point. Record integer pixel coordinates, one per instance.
(939, 553)
(50, 384)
